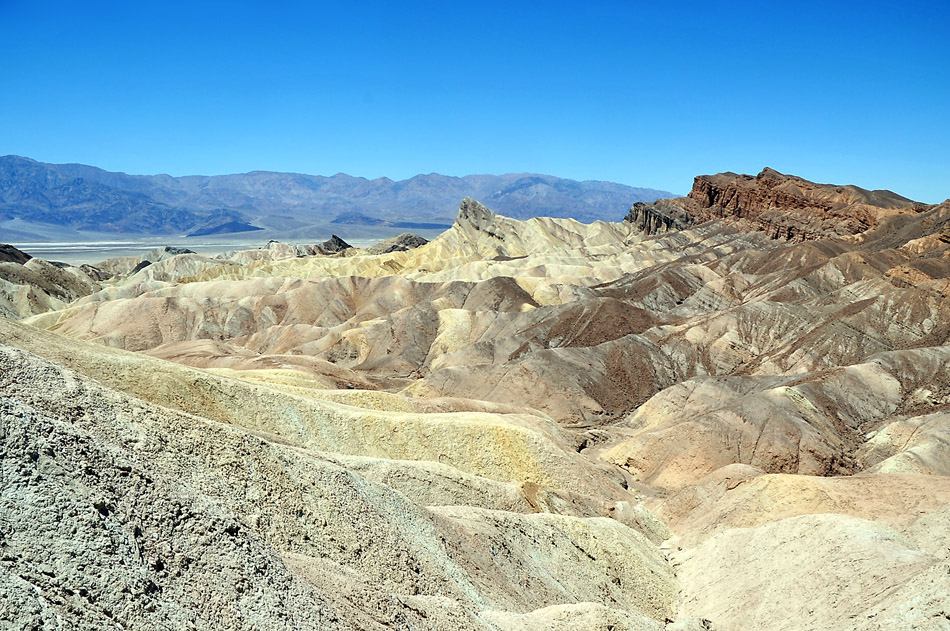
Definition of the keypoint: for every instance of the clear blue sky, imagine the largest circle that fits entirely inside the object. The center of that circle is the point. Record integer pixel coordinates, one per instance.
(638, 93)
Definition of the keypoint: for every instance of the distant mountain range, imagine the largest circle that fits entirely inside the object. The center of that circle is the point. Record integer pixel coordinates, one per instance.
(39, 199)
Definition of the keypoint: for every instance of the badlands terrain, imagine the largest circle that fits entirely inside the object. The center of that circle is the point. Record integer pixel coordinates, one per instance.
(729, 411)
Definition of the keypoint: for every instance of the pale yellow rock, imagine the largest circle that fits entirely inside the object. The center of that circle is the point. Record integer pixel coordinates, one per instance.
(812, 572)
(570, 617)
(498, 446)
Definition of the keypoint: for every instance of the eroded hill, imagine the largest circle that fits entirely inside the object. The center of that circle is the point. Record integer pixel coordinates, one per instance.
(727, 412)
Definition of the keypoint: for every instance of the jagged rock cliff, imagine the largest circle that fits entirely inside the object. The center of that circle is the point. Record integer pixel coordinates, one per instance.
(782, 206)
(656, 218)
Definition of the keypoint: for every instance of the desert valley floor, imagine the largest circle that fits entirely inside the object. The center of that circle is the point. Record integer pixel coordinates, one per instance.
(729, 411)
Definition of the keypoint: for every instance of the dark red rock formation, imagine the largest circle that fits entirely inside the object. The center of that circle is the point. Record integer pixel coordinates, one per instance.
(783, 206)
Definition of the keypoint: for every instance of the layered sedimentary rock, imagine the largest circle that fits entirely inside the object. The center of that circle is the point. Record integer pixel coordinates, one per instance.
(235, 488)
(29, 285)
(783, 206)
(404, 241)
(728, 412)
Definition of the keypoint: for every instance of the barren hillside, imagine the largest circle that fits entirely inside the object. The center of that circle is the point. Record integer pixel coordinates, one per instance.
(728, 411)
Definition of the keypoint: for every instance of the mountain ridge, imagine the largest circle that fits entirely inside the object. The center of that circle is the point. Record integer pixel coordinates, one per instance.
(84, 197)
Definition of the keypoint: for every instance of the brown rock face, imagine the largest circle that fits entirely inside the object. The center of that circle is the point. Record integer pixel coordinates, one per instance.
(333, 245)
(783, 206)
(399, 243)
(9, 254)
(656, 218)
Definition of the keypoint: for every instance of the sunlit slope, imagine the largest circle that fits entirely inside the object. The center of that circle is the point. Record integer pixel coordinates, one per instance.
(480, 245)
(508, 447)
(183, 511)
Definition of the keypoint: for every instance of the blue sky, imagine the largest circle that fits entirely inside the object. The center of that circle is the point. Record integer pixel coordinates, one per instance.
(638, 93)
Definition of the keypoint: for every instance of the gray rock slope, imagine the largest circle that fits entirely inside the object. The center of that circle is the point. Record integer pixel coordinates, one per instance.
(116, 513)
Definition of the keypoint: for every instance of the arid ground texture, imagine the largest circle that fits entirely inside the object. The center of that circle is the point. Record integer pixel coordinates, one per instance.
(729, 411)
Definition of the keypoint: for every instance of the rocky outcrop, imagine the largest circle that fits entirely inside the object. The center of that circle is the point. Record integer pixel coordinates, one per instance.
(9, 254)
(37, 286)
(476, 215)
(333, 245)
(279, 249)
(95, 273)
(399, 243)
(657, 218)
(770, 189)
(140, 266)
(128, 265)
(782, 206)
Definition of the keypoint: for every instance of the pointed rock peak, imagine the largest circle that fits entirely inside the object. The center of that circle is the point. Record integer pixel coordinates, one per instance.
(475, 213)
(769, 172)
(335, 244)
